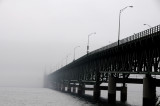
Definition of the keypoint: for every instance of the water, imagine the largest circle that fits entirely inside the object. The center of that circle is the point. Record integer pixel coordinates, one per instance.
(134, 94)
(47, 97)
(38, 97)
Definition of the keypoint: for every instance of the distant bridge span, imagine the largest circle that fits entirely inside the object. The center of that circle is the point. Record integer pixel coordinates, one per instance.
(137, 54)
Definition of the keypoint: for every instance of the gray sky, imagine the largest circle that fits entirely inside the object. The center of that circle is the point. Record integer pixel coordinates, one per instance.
(35, 33)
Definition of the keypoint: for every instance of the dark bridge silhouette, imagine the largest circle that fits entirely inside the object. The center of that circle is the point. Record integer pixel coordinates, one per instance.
(137, 54)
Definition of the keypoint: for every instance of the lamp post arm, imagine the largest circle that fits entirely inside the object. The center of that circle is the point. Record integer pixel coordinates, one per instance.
(124, 8)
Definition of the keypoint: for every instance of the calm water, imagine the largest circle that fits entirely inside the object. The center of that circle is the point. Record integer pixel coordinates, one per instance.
(46, 97)
(38, 97)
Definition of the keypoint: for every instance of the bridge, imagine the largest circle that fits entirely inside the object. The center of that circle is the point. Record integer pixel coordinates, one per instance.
(112, 64)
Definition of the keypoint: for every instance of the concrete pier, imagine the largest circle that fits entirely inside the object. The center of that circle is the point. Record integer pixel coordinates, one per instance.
(96, 92)
(74, 88)
(62, 87)
(111, 89)
(81, 89)
(69, 88)
(149, 91)
(124, 93)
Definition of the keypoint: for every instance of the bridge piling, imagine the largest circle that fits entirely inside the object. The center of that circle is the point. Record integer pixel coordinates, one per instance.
(74, 88)
(124, 93)
(112, 89)
(96, 90)
(68, 87)
(62, 86)
(81, 89)
(149, 91)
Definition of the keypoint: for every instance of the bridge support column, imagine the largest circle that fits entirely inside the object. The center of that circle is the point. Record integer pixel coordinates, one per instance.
(69, 88)
(81, 89)
(112, 89)
(124, 93)
(62, 87)
(97, 92)
(74, 88)
(149, 91)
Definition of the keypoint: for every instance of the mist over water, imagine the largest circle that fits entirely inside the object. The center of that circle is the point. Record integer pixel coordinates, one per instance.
(37, 35)
(21, 78)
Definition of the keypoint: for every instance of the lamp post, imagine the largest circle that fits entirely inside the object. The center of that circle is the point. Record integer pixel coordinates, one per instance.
(67, 58)
(74, 52)
(120, 21)
(119, 31)
(147, 25)
(88, 41)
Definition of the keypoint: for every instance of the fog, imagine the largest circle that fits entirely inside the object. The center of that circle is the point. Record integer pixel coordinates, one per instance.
(37, 35)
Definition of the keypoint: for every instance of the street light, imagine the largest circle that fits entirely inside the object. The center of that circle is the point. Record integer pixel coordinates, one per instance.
(120, 20)
(67, 58)
(147, 25)
(119, 26)
(88, 41)
(74, 52)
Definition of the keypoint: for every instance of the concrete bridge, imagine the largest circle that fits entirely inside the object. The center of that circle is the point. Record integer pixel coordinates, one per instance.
(112, 64)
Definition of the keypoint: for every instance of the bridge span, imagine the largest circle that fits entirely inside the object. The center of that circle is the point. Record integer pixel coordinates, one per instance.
(136, 54)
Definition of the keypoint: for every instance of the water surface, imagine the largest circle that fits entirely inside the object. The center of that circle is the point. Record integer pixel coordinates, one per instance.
(46, 97)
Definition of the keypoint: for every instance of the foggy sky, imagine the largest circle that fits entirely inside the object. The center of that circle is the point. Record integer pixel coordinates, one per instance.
(39, 33)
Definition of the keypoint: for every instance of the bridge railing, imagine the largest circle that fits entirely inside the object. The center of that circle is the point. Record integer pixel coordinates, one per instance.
(141, 34)
(130, 38)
